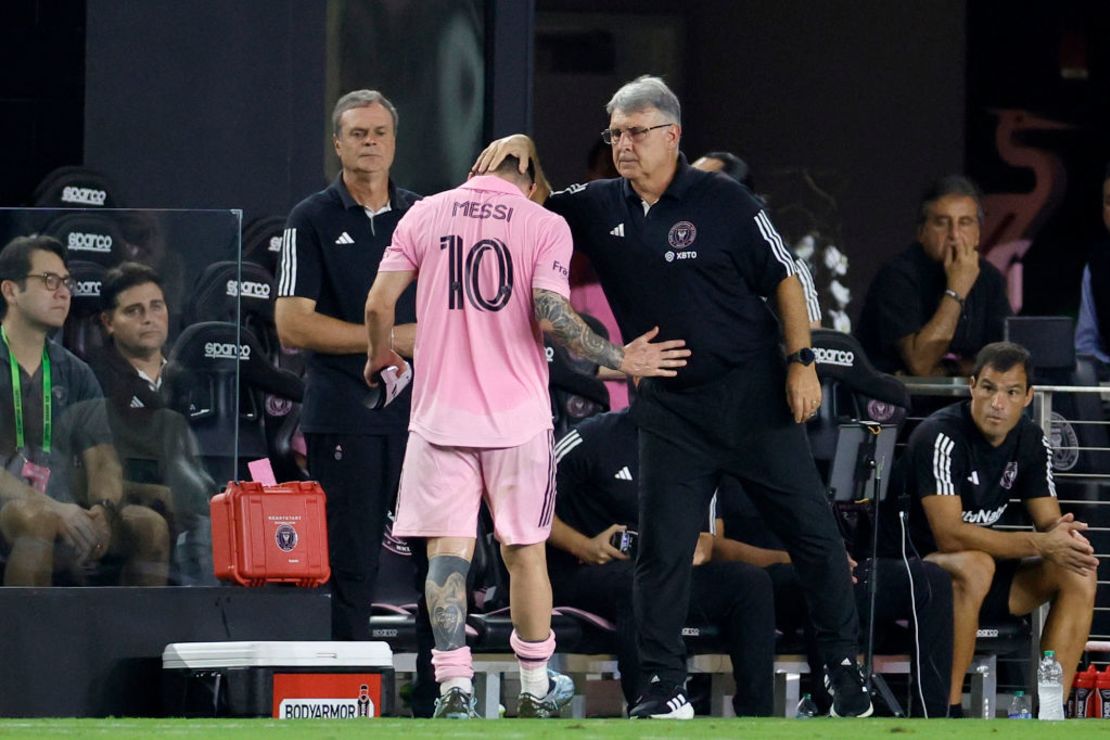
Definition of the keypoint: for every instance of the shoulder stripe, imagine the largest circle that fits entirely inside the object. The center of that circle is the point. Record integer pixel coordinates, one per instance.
(1048, 467)
(942, 465)
(287, 284)
(772, 238)
(806, 278)
(566, 444)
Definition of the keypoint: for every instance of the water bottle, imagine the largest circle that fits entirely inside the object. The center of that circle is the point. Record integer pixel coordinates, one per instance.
(1020, 708)
(806, 708)
(1050, 687)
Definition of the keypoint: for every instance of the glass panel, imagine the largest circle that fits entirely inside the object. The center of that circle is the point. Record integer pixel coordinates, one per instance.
(144, 393)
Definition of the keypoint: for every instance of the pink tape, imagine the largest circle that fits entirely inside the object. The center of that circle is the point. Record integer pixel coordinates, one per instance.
(452, 664)
(532, 654)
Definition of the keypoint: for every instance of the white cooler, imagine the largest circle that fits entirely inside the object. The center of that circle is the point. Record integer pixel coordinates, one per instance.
(284, 680)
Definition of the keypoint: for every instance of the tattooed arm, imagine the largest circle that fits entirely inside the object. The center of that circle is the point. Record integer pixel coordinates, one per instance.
(640, 357)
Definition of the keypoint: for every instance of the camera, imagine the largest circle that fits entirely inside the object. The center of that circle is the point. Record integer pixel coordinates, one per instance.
(625, 541)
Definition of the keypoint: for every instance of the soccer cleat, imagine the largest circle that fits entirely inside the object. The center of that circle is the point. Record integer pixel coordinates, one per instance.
(662, 701)
(559, 693)
(849, 691)
(455, 704)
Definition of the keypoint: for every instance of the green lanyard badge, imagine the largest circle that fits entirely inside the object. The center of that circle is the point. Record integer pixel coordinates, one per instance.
(17, 398)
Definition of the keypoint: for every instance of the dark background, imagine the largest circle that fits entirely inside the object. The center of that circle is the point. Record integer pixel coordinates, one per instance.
(215, 104)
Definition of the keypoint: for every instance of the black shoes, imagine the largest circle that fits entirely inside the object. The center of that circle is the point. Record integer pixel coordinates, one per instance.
(849, 691)
(663, 701)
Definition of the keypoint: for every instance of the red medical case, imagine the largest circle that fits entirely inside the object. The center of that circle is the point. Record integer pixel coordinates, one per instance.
(270, 534)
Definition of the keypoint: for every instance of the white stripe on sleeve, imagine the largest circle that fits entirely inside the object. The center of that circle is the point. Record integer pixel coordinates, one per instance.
(806, 278)
(773, 239)
(1048, 467)
(942, 465)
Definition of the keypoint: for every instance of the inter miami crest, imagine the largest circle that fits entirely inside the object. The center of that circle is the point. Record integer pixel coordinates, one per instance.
(286, 537)
(682, 235)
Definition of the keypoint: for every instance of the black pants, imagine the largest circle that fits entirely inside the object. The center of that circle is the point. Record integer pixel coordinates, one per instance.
(932, 591)
(735, 597)
(739, 426)
(359, 474)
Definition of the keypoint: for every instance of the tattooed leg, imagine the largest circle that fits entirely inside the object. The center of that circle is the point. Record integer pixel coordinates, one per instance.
(445, 590)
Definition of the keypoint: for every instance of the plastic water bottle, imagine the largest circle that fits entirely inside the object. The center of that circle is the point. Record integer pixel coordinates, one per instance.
(1020, 708)
(1050, 687)
(806, 708)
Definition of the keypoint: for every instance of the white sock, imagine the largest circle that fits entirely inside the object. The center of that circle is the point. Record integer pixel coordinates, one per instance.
(534, 681)
(456, 683)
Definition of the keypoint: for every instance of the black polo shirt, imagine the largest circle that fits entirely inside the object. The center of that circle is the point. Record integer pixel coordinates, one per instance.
(906, 293)
(78, 417)
(947, 455)
(597, 478)
(698, 264)
(330, 253)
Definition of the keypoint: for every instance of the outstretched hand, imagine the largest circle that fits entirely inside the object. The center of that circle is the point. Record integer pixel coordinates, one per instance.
(645, 359)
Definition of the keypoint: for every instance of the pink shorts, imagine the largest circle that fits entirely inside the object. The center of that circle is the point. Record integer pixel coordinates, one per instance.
(441, 488)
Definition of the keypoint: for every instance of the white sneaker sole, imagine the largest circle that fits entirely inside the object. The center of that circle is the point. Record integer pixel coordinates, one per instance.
(686, 711)
(868, 713)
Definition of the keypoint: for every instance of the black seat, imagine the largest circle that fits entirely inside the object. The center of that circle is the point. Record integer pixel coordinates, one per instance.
(82, 334)
(262, 242)
(75, 187)
(200, 381)
(90, 236)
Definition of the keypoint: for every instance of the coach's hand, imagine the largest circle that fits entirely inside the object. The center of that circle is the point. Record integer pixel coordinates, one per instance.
(803, 391)
(517, 145)
(599, 551)
(643, 359)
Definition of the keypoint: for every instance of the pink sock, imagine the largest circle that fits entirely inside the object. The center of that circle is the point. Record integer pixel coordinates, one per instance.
(532, 654)
(452, 664)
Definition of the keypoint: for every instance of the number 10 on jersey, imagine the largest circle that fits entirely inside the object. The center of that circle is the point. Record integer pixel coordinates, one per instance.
(465, 275)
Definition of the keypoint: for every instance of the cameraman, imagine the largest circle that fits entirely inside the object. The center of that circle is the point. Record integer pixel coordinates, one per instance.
(597, 477)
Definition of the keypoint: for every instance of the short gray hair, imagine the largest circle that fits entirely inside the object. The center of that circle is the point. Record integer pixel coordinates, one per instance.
(646, 92)
(360, 99)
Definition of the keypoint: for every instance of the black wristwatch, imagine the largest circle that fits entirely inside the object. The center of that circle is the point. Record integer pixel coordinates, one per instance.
(803, 357)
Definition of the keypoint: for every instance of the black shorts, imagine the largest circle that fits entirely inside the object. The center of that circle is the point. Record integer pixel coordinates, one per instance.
(996, 605)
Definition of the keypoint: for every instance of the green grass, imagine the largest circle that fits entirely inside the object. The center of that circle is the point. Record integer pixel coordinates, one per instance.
(510, 728)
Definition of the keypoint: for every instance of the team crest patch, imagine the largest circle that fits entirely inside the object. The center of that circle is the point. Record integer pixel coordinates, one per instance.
(682, 235)
(1009, 475)
(286, 537)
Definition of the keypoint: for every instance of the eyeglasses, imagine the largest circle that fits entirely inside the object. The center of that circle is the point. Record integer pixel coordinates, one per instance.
(53, 281)
(636, 133)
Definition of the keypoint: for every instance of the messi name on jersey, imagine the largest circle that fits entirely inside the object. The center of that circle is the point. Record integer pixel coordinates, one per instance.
(474, 209)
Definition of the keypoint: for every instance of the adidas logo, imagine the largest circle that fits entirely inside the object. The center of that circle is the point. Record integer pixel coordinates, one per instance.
(136, 403)
(344, 238)
(618, 230)
(974, 478)
(623, 474)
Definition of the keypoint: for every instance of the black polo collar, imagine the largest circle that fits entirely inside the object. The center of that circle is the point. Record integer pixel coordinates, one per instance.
(684, 178)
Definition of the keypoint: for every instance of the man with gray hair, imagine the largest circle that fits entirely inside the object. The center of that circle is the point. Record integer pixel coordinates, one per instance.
(696, 255)
(331, 248)
(934, 306)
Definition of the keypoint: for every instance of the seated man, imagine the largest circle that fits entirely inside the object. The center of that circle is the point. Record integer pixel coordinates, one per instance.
(931, 308)
(597, 479)
(960, 469)
(1092, 330)
(741, 535)
(63, 511)
(156, 448)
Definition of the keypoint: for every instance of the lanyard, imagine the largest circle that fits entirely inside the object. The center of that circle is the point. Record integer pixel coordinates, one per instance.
(17, 397)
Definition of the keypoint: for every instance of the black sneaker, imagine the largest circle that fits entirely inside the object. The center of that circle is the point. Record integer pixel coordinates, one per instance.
(662, 701)
(455, 704)
(849, 692)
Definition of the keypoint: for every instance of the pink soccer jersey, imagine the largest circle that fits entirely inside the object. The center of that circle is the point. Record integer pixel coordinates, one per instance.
(480, 367)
